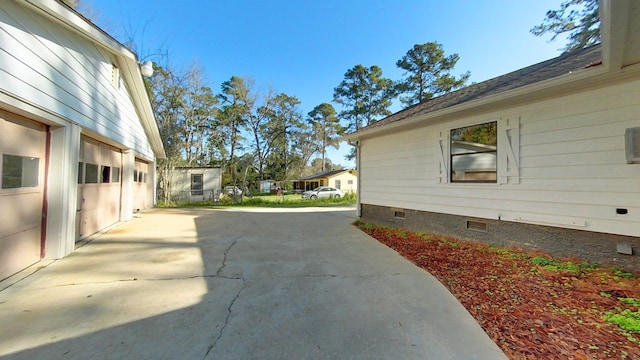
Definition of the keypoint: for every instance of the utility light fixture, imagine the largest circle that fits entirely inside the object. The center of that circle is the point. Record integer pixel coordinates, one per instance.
(147, 68)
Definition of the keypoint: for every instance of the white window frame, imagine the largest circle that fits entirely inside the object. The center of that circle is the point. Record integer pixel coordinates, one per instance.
(508, 152)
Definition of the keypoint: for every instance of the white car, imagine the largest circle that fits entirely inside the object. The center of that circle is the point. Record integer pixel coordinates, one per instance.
(323, 192)
(231, 190)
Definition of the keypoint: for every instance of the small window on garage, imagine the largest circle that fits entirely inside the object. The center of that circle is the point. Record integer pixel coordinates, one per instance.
(197, 184)
(106, 174)
(91, 174)
(350, 182)
(80, 172)
(19, 171)
(115, 174)
(140, 177)
(135, 175)
(337, 184)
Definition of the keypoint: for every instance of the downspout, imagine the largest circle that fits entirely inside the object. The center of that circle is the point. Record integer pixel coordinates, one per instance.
(356, 144)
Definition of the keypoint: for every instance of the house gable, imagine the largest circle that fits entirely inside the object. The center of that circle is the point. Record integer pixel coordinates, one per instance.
(65, 66)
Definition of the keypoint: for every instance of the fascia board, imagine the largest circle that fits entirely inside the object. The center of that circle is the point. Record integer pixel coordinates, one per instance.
(138, 91)
(78, 24)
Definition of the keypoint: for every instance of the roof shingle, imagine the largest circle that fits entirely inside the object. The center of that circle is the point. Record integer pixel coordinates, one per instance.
(564, 64)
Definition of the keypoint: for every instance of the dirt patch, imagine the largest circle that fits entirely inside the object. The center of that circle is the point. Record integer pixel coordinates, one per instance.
(531, 305)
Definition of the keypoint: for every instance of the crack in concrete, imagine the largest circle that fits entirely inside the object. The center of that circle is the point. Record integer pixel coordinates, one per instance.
(226, 320)
(224, 259)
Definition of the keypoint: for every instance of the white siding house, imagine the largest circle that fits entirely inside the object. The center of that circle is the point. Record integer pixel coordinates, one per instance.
(78, 140)
(557, 178)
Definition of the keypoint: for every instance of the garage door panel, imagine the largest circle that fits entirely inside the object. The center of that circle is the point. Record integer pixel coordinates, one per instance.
(18, 211)
(141, 185)
(22, 159)
(99, 204)
(17, 135)
(19, 251)
(91, 151)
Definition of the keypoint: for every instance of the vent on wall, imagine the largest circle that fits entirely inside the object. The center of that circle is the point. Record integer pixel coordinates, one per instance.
(115, 76)
(632, 145)
(476, 226)
(399, 214)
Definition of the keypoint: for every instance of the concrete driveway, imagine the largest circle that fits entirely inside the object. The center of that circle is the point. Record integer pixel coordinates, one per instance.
(235, 284)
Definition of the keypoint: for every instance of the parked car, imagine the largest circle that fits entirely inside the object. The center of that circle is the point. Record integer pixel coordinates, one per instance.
(323, 192)
(231, 190)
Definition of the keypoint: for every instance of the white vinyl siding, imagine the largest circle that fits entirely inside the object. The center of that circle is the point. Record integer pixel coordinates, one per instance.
(571, 168)
(56, 70)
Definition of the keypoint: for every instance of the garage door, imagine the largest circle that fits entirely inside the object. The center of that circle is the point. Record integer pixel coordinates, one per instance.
(140, 185)
(22, 162)
(99, 186)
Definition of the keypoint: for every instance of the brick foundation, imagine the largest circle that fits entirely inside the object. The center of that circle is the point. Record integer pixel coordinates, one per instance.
(590, 246)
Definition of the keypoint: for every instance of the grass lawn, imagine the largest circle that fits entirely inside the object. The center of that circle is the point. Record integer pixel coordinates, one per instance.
(285, 201)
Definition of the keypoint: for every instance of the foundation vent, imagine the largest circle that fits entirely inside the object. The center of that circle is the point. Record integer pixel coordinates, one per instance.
(399, 214)
(624, 249)
(476, 226)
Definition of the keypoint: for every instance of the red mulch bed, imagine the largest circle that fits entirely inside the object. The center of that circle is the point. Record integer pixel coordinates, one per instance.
(532, 306)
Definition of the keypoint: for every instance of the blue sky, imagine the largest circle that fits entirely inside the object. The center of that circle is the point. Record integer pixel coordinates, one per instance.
(303, 48)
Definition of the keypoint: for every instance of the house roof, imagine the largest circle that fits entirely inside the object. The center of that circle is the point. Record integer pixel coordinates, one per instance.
(324, 174)
(564, 64)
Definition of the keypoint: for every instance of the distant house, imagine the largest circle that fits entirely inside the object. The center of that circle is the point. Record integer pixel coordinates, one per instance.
(194, 183)
(343, 179)
(78, 139)
(559, 173)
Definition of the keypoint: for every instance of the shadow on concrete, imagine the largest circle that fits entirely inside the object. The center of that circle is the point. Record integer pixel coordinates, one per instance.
(215, 284)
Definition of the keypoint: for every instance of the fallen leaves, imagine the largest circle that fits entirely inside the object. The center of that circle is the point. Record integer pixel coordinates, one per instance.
(532, 306)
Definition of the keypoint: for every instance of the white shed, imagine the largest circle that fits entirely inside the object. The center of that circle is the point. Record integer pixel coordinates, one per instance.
(562, 176)
(195, 183)
(78, 139)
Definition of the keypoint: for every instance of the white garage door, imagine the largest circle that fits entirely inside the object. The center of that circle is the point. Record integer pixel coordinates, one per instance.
(140, 185)
(99, 186)
(22, 163)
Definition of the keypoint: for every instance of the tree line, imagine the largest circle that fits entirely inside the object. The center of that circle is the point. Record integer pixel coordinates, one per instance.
(264, 134)
(256, 135)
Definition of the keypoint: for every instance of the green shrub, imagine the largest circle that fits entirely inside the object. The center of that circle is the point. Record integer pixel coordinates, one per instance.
(555, 265)
(626, 319)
